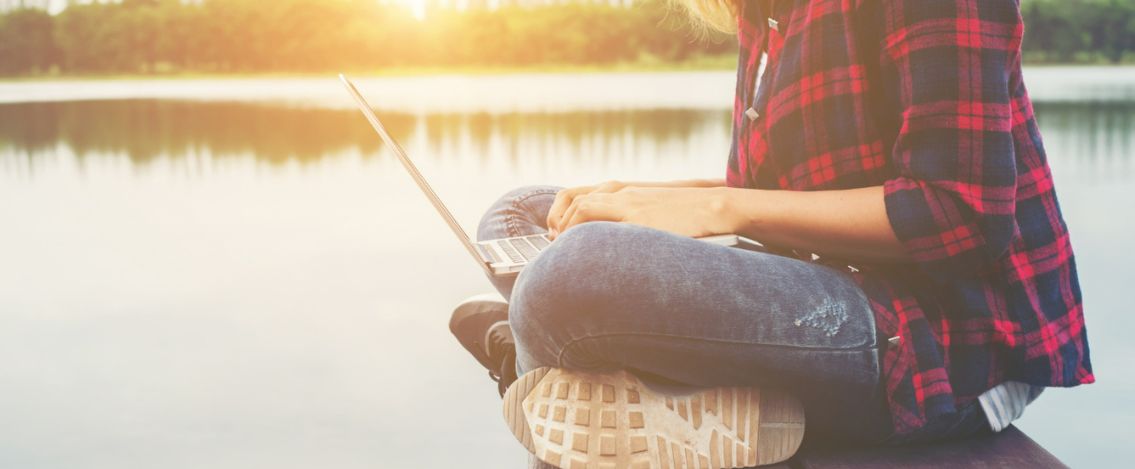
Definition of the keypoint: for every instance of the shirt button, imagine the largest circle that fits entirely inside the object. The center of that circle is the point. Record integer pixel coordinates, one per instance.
(752, 114)
(774, 25)
(895, 341)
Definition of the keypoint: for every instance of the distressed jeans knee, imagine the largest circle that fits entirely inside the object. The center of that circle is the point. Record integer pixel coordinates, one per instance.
(828, 318)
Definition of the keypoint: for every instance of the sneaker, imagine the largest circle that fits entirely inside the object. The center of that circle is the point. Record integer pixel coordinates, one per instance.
(579, 419)
(481, 326)
(472, 318)
(500, 347)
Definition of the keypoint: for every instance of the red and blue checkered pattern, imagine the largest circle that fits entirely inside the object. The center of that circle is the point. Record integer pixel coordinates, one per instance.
(926, 98)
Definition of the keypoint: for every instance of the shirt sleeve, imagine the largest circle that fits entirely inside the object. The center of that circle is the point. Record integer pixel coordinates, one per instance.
(947, 67)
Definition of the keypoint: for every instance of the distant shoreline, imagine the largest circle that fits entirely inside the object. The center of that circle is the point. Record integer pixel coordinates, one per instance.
(501, 90)
(707, 64)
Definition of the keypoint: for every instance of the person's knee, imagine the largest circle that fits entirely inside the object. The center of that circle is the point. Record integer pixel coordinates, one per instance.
(584, 249)
(570, 281)
(524, 191)
(562, 294)
(492, 223)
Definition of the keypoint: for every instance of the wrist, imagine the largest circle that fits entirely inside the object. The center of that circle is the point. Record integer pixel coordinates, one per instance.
(748, 212)
(727, 209)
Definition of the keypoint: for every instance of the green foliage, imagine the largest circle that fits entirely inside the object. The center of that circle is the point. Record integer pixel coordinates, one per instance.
(246, 36)
(1079, 30)
(26, 43)
(241, 36)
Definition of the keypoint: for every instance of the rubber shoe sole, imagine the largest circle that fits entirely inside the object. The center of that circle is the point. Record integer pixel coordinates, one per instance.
(573, 419)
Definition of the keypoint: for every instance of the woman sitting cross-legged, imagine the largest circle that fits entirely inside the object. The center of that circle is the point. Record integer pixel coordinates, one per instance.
(892, 136)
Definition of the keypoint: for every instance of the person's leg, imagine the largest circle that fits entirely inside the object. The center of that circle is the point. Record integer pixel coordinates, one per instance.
(609, 296)
(523, 212)
(520, 212)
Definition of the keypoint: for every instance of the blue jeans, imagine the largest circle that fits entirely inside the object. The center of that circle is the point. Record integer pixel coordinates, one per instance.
(617, 296)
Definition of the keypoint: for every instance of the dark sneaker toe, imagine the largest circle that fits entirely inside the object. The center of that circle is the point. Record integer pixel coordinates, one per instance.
(471, 321)
(501, 349)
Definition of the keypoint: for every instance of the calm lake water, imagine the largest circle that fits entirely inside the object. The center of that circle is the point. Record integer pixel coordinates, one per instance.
(234, 273)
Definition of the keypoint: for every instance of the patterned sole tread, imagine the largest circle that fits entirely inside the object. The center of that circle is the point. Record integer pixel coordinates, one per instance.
(581, 420)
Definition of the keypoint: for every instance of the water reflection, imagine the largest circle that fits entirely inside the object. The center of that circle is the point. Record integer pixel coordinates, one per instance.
(279, 310)
(148, 129)
(1092, 141)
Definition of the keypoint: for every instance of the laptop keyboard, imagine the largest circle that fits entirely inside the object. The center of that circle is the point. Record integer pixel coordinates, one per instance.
(540, 242)
(510, 251)
(527, 250)
(520, 250)
(488, 253)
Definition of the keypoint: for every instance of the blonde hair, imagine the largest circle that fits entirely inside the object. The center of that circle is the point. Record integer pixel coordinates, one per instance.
(717, 15)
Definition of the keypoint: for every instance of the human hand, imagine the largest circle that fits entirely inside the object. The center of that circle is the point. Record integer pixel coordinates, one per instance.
(685, 211)
(564, 199)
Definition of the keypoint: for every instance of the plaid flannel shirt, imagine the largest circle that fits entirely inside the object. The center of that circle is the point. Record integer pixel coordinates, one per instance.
(923, 97)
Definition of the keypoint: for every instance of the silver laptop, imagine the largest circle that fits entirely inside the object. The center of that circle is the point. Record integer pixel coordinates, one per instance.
(499, 257)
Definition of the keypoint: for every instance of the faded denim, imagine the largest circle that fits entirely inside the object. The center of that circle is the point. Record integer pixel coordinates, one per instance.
(610, 295)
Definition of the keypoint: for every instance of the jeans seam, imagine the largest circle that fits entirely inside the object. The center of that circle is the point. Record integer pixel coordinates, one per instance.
(515, 209)
(570, 343)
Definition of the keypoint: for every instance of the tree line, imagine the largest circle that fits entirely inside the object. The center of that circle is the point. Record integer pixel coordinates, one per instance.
(253, 36)
(244, 36)
(1070, 31)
